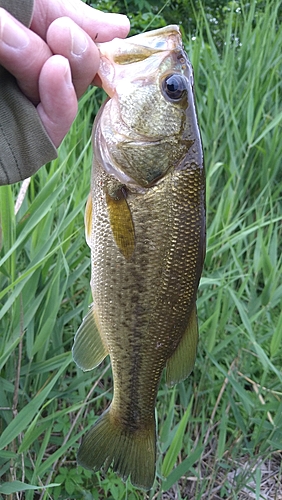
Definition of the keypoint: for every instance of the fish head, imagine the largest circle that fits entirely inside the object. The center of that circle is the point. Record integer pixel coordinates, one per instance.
(149, 123)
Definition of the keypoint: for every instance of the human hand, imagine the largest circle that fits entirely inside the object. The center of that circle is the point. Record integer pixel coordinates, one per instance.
(56, 59)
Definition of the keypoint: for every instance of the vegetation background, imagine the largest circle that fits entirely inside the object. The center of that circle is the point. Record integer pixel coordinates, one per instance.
(220, 432)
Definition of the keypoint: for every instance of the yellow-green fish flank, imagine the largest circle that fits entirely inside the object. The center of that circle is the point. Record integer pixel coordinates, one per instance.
(145, 225)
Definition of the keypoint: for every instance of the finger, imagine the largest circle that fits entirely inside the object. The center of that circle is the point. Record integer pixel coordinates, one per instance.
(64, 37)
(22, 53)
(58, 106)
(100, 26)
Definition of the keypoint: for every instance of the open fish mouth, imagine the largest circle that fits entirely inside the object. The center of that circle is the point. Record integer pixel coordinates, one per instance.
(143, 44)
(112, 168)
(132, 50)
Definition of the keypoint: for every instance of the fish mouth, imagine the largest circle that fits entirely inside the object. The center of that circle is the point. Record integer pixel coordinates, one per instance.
(112, 168)
(141, 46)
(123, 52)
(146, 142)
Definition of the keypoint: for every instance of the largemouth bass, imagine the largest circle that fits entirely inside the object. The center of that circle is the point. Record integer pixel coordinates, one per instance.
(145, 225)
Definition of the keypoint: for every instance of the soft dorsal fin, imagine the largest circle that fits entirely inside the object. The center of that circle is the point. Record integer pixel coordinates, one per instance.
(88, 349)
(88, 220)
(181, 363)
(121, 223)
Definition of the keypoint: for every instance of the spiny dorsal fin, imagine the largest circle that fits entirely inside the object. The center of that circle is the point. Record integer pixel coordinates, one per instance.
(181, 363)
(121, 223)
(88, 349)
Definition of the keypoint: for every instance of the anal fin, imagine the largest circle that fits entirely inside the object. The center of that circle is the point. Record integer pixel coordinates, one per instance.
(88, 349)
(181, 363)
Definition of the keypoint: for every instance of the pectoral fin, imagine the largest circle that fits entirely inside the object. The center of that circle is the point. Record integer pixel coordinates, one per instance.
(88, 349)
(121, 223)
(181, 363)
(88, 220)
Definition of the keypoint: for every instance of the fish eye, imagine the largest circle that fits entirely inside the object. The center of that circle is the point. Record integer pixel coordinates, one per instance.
(174, 86)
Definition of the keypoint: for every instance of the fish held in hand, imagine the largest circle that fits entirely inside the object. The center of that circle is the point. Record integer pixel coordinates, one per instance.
(145, 225)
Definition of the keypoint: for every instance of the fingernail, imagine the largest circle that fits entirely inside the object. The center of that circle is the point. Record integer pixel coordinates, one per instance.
(12, 34)
(79, 42)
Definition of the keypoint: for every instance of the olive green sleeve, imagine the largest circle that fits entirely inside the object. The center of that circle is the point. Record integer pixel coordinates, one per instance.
(24, 143)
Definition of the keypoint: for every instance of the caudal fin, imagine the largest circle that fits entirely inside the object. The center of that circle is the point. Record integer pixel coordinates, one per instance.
(131, 453)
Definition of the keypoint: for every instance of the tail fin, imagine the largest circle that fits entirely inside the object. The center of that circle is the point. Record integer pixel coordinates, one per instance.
(133, 453)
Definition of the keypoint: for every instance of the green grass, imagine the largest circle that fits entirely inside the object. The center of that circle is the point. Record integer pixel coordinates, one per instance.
(217, 427)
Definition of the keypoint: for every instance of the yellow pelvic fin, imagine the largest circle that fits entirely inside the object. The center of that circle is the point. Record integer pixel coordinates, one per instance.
(121, 223)
(88, 349)
(181, 363)
(88, 220)
(131, 453)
